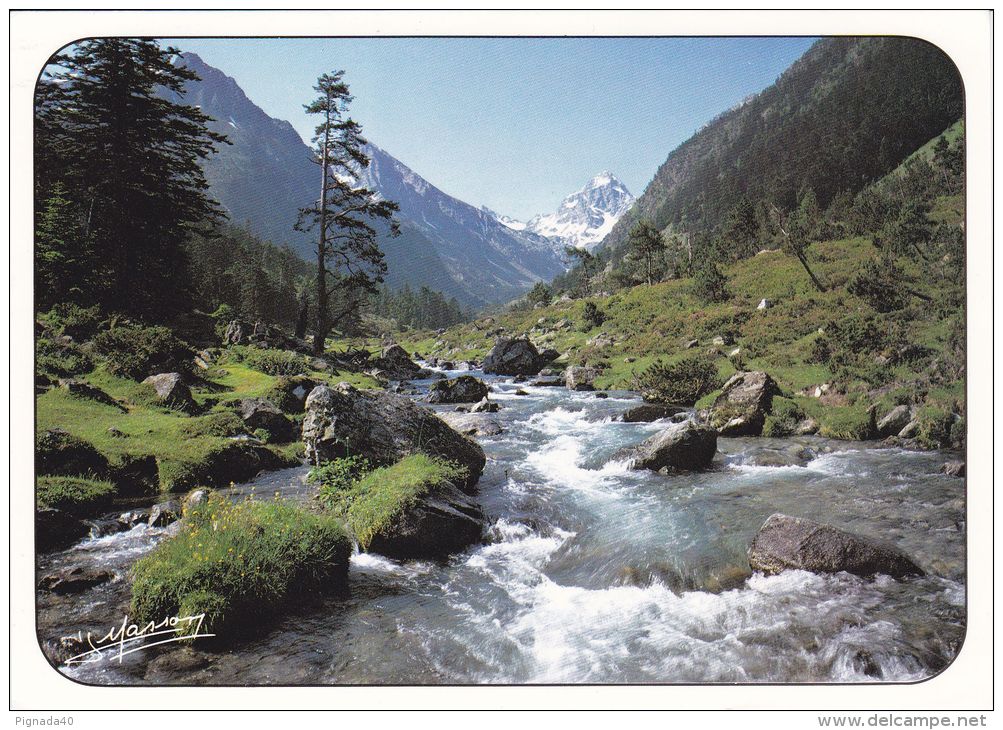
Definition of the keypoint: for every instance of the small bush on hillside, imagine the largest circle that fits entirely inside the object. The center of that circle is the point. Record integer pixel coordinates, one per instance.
(679, 383)
(880, 285)
(61, 360)
(80, 323)
(136, 352)
(593, 316)
(709, 284)
(539, 294)
(272, 362)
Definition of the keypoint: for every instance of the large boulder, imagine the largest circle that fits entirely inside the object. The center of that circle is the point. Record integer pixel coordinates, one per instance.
(745, 400)
(56, 529)
(436, 524)
(685, 446)
(579, 377)
(60, 452)
(897, 419)
(785, 542)
(383, 428)
(473, 424)
(650, 412)
(171, 391)
(260, 413)
(513, 357)
(464, 389)
(397, 364)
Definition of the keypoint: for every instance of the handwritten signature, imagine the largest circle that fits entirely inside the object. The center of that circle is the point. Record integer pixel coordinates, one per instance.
(128, 638)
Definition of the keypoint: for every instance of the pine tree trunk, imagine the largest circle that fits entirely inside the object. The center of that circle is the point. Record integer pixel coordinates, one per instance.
(814, 279)
(320, 336)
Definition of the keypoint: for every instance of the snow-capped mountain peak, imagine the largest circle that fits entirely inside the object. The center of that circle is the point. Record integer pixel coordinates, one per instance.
(583, 218)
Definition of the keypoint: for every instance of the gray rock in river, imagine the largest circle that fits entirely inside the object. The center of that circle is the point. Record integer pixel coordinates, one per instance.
(383, 428)
(473, 424)
(442, 521)
(464, 389)
(513, 357)
(396, 363)
(650, 412)
(745, 400)
(683, 447)
(579, 377)
(163, 514)
(953, 468)
(785, 542)
(896, 419)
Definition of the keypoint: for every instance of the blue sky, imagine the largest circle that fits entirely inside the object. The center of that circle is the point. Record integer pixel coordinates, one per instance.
(513, 123)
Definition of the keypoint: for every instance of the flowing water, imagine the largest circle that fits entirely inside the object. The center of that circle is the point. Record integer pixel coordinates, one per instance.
(590, 573)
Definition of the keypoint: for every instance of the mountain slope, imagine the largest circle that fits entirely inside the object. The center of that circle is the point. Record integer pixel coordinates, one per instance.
(846, 113)
(266, 175)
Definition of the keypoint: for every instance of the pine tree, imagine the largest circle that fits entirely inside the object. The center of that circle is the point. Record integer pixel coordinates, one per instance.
(646, 244)
(128, 158)
(799, 229)
(349, 260)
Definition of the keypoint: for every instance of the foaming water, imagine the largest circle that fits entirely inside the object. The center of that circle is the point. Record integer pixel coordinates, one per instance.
(592, 573)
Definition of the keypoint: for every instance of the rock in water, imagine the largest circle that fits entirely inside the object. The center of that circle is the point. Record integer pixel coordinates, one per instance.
(55, 529)
(442, 521)
(953, 468)
(485, 406)
(473, 424)
(464, 389)
(684, 447)
(397, 364)
(383, 428)
(897, 419)
(650, 412)
(260, 413)
(578, 377)
(745, 400)
(171, 391)
(785, 542)
(513, 357)
(163, 514)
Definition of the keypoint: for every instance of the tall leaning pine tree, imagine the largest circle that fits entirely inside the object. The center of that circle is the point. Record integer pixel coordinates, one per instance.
(349, 259)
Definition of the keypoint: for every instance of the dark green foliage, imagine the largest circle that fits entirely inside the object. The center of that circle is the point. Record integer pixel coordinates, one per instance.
(137, 352)
(118, 182)
(584, 266)
(540, 294)
(680, 383)
(910, 233)
(272, 362)
(785, 415)
(349, 260)
(880, 285)
(234, 274)
(60, 360)
(422, 309)
(646, 247)
(67, 318)
(336, 478)
(593, 316)
(709, 284)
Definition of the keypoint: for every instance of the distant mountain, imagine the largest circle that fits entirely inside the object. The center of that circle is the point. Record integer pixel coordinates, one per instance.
(585, 217)
(266, 175)
(843, 115)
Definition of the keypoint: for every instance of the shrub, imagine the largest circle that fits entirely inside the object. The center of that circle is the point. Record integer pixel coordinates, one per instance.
(593, 316)
(880, 285)
(136, 352)
(239, 562)
(681, 383)
(60, 360)
(847, 423)
(784, 417)
(217, 465)
(540, 294)
(272, 362)
(76, 495)
(336, 478)
(78, 322)
(709, 284)
(935, 427)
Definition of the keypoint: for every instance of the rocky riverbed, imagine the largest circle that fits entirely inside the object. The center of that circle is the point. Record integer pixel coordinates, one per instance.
(590, 571)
